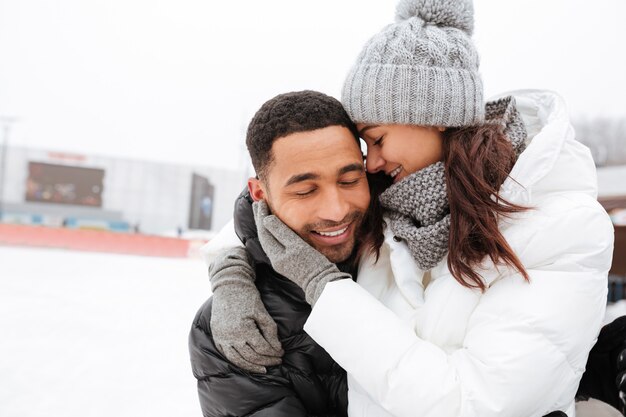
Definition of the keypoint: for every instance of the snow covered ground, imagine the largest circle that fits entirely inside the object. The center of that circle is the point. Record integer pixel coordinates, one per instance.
(100, 335)
(97, 335)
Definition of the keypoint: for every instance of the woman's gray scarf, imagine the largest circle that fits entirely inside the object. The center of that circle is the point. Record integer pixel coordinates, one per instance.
(417, 206)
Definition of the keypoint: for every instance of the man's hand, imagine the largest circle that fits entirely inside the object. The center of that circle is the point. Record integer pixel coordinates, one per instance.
(291, 256)
(242, 329)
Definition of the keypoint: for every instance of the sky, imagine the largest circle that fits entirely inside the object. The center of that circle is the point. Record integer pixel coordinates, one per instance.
(178, 80)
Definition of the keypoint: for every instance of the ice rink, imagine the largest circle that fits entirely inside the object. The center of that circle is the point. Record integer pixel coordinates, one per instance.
(86, 334)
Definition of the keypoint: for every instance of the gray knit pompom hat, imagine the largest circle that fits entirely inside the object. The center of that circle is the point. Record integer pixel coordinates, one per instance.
(420, 70)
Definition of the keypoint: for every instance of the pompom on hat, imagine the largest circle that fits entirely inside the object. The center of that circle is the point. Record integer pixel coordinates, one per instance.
(420, 70)
(457, 14)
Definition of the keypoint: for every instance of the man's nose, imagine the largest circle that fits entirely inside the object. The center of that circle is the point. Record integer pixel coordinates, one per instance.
(334, 206)
(373, 161)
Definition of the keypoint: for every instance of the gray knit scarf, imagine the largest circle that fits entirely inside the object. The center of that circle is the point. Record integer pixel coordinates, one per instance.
(417, 206)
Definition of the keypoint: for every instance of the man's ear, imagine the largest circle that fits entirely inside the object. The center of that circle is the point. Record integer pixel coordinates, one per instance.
(255, 186)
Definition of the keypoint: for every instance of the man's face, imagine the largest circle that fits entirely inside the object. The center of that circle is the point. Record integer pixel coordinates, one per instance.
(316, 185)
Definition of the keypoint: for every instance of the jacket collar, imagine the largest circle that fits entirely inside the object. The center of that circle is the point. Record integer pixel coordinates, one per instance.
(551, 154)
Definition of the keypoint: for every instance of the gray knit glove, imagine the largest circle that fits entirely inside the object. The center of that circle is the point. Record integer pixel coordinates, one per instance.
(292, 257)
(243, 330)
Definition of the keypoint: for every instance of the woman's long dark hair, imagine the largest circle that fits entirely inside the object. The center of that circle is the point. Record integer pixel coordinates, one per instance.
(370, 235)
(477, 161)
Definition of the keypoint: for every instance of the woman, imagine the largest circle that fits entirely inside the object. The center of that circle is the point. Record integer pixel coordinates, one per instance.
(486, 289)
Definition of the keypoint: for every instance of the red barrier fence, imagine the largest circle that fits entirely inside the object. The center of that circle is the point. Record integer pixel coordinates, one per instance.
(94, 241)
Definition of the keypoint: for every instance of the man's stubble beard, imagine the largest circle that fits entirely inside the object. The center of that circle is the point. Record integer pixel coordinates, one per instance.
(336, 253)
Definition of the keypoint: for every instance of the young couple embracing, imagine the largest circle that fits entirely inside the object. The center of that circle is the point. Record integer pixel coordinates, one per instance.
(459, 268)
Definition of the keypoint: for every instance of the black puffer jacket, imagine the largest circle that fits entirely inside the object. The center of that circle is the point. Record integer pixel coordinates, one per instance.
(308, 383)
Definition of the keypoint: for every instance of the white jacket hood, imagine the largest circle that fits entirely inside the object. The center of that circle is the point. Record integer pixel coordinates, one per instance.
(553, 160)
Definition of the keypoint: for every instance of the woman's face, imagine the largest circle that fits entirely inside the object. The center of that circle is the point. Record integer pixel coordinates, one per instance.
(400, 150)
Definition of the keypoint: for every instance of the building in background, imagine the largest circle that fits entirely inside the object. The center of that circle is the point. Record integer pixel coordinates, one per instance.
(90, 191)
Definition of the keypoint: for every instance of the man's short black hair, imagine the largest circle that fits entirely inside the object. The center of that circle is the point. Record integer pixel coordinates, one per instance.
(299, 111)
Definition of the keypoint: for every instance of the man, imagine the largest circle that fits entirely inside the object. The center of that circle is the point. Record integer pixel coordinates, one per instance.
(311, 174)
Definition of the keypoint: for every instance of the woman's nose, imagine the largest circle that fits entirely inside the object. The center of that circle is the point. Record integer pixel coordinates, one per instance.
(373, 161)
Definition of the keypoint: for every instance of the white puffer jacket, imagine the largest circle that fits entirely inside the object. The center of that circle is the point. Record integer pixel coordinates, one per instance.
(417, 344)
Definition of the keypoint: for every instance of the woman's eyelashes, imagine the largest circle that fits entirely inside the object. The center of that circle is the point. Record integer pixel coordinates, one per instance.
(378, 142)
